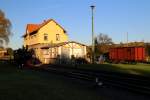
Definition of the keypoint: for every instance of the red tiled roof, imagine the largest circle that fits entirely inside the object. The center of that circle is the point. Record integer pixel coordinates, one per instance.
(35, 27)
(32, 27)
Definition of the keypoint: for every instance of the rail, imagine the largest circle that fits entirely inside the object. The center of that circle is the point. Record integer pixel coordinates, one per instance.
(125, 81)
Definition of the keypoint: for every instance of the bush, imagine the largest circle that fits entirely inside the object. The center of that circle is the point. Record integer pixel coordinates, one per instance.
(81, 61)
(21, 56)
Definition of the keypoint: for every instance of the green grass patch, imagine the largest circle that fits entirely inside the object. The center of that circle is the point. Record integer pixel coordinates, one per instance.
(138, 69)
(16, 84)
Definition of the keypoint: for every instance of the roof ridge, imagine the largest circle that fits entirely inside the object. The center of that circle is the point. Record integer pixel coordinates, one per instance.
(31, 27)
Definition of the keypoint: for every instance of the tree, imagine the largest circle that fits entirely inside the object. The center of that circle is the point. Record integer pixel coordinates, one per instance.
(89, 53)
(5, 29)
(103, 39)
(102, 44)
(22, 55)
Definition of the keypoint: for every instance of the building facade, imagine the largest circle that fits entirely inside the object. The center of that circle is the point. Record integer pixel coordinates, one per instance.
(45, 33)
(47, 38)
(3, 52)
(63, 51)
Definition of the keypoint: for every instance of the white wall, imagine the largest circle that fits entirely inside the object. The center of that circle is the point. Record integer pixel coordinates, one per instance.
(66, 50)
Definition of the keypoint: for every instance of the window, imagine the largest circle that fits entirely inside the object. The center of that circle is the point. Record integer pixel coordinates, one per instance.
(46, 52)
(31, 36)
(57, 37)
(45, 37)
(34, 35)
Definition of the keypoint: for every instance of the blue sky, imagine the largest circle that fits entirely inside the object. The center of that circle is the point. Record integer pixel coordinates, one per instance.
(112, 17)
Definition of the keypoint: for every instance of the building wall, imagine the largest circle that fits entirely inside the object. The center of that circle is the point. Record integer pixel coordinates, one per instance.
(2, 53)
(31, 39)
(51, 29)
(64, 51)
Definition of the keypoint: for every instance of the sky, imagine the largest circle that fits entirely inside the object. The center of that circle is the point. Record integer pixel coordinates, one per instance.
(112, 17)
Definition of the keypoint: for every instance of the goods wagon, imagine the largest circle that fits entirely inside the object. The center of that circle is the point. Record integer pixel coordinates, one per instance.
(127, 54)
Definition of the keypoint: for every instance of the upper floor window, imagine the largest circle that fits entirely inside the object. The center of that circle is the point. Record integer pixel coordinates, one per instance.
(31, 36)
(45, 37)
(57, 37)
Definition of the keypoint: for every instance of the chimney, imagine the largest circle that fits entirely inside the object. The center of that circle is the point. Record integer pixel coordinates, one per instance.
(44, 21)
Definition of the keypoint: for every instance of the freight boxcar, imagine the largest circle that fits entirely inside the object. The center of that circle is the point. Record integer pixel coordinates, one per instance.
(127, 54)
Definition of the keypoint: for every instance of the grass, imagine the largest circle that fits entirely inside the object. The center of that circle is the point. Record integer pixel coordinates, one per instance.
(16, 84)
(138, 69)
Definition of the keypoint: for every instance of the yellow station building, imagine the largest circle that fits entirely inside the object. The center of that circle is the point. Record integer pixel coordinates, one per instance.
(47, 36)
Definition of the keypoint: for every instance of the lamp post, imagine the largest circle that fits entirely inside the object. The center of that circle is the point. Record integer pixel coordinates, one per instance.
(93, 44)
(127, 39)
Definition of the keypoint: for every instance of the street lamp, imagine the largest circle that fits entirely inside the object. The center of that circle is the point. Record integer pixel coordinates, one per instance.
(93, 43)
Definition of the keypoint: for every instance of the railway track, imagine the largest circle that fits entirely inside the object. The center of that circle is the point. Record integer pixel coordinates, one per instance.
(133, 83)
